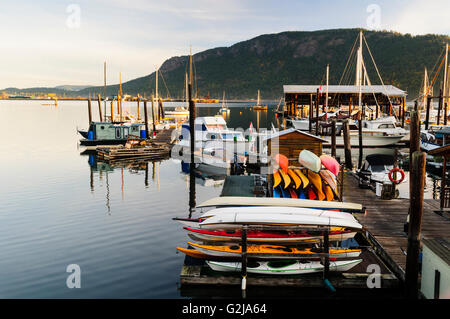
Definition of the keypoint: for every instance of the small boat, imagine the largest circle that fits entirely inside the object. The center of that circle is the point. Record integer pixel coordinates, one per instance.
(335, 234)
(316, 180)
(286, 178)
(236, 250)
(330, 164)
(330, 180)
(276, 179)
(329, 195)
(224, 108)
(375, 169)
(233, 201)
(283, 267)
(258, 105)
(237, 217)
(107, 133)
(297, 180)
(282, 161)
(304, 179)
(309, 160)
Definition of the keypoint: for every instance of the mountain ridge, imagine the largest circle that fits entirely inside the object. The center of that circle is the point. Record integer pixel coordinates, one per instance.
(269, 61)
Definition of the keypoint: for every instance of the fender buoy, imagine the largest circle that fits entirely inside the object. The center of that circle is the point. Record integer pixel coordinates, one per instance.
(398, 181)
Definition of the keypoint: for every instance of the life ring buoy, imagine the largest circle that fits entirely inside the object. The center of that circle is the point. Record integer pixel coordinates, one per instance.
(398, 181)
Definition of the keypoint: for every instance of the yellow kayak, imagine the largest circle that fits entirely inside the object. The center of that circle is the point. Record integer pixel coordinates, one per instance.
(286, 178)
(305, 180)
(276, 179)
(316, 180)
(295, 178)
(328, 192)
(236, 250)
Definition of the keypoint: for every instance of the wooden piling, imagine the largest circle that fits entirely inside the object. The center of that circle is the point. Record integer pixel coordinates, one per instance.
(112, 111)
(317, 112)
(138, 110)
(445, 113)
(347, 145)
(403, 111)
(89, 110)
(99, 99)
(333, 138)
(439, 107)
(146, 119)
(244, 257)
(360, 140)
(311, 112)
(427, 117)
(326, 251)
(153, 117)
(417, 179)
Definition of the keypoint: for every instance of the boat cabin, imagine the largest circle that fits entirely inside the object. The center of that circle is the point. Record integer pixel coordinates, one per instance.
(114, 131)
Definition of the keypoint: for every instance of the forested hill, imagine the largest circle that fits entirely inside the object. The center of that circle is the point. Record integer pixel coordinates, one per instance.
(269, 61)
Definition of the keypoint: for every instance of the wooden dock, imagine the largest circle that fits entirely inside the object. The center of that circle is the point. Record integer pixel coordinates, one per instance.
(384, 223)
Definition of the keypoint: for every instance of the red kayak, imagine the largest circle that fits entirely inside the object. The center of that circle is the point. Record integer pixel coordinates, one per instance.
(283, 162)
(269, 236)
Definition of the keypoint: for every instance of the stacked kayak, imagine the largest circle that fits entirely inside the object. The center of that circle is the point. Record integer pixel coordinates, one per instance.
(283, 267)
(315, 180)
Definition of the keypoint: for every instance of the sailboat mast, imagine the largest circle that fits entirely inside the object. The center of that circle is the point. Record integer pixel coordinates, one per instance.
(104, 87)
(359, 69)
(186, 90)
(444, 85)
(326, 94)
(257, 101)
(157, 84)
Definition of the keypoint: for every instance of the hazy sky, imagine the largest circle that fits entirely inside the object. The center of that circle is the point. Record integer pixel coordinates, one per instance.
(56, 42)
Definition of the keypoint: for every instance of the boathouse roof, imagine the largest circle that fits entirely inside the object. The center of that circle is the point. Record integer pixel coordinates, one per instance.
(388, 90)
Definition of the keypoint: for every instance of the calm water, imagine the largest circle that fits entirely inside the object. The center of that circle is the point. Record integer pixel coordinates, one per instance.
(114, 222)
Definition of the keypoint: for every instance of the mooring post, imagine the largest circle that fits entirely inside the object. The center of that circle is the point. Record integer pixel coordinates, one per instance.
(139, 110)
(445, 113)
(89, 110)
(244, 257)
(311, 112)
(439, 107)
(99, 99)
(417, 179)
(347, 146)
(443, 181)
(146, 119)
(403, 111)
(360, 139)
(153, 117)
(317, 112)
(333, 138)
(326, 251)
(427, 117)
(112, 111)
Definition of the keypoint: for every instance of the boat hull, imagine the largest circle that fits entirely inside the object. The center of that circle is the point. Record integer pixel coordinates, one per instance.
(295, 268)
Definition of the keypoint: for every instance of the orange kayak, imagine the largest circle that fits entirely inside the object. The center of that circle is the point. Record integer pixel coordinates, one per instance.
(297, 180)
(236, 250)
(286, 178)
(276, 179)
(328, 192)
(316, 180)
(303, 178)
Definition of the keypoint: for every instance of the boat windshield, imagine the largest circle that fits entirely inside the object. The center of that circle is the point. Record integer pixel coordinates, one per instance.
(216, 127)
(380, 168)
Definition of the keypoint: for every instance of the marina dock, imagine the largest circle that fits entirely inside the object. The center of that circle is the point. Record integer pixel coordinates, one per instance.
(384, 222)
